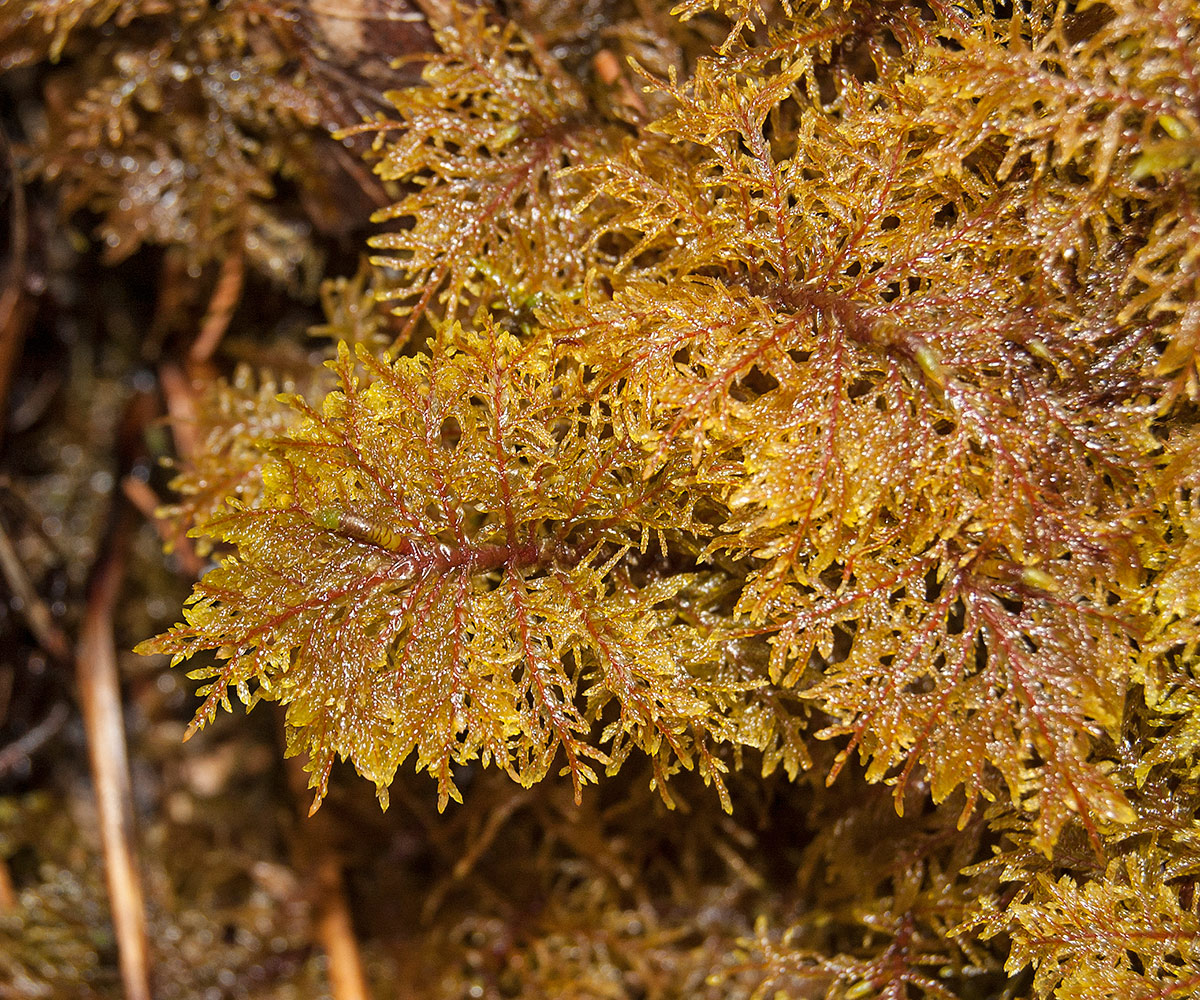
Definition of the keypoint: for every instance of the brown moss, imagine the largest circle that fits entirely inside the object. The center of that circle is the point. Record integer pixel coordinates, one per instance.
(816, 390)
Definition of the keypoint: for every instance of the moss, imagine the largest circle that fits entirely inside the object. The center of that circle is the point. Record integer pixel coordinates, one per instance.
(806, 400)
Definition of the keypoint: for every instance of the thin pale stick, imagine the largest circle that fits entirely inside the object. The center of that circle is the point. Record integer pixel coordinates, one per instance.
(15, 307)
(181, 407)
(8, 892)
(37, 615)
(347, 981)
(225, 298)
(100, 699)
(142, 496)
(21, 750)
(335, 930)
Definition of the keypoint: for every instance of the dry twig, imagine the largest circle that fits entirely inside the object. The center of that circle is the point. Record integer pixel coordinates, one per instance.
(100, 698)
(181, 409)
(15, 305)
(8, 892)
(139, 493)
(335, 930)
(494, 823)
(225, 297)
(347, 981)
(27, 745)
(37, 615)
